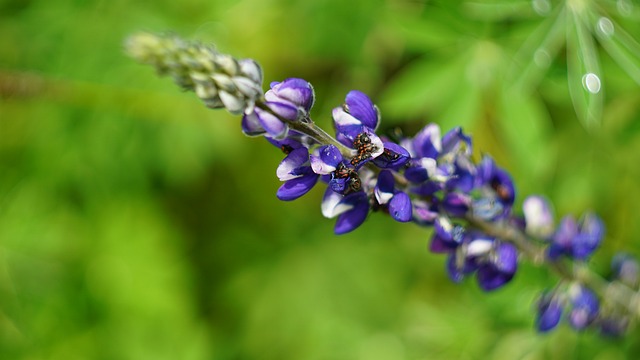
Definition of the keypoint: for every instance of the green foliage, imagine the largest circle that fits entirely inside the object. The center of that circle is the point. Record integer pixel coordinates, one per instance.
(137, 224)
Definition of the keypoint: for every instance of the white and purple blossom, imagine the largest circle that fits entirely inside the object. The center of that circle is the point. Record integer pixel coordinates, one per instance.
(430, 179)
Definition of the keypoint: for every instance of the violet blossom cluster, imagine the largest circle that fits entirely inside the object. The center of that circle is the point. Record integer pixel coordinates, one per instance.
(430, 179)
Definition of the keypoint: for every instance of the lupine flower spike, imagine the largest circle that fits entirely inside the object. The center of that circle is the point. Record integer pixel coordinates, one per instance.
(429, 179)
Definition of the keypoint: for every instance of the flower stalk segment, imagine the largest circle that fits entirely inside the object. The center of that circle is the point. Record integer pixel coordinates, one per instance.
(430, 179)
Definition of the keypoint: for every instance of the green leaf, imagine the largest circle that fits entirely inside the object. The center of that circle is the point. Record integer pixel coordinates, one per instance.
(526, 127)
(584, 73)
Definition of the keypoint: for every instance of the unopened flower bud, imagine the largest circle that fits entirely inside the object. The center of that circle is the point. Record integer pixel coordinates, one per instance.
(219, 80)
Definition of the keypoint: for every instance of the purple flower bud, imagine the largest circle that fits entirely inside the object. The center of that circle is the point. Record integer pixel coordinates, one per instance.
(427, 142)
(385, 187)
(490, 175)
(446, 236)
(584, 308)
(354, 117)
(456, 204)
(549, 312)
(285, 111)
(562, 239)
(425, 213)
(626, 269)
(362, 108)
(297, 93)
(589, 237)
(455, 141)
(259, 121)
(500, 268)
(400, 207)
(577, 241)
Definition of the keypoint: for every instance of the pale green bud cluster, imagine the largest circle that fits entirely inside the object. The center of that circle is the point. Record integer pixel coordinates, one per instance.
(218, 79)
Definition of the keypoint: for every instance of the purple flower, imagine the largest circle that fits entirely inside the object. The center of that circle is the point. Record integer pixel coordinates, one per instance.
(456, 204)
(397, 202)
(425, 213)
(584, 307)
(294, 93)
(355, 123)
(456, 142)
(427, 143)
(446, 236)
(500, 268)
(351, 209)
(549, 312)
(325, 159)
(262, 122)
(490, 175)
(297, 174)
(576, 240)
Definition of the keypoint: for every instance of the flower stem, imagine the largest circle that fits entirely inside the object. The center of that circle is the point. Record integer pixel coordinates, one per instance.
(616, 291)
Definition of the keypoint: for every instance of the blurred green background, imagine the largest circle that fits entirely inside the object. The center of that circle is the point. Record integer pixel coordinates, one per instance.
(137, 224)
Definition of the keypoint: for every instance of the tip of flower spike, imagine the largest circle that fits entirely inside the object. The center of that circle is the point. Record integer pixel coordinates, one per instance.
(142, 46)
(219, 80)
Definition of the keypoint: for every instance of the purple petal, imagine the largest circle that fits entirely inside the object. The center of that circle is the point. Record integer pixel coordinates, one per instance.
(456, 204)
(455, 274)
(297, 187)
(360, 107)
(490, 278)
(549, 313)
(446, 236)
(298, 92)
(327, 159)
(290, 167)
(384, 189)
(251, 125)
(393, 156)
(351, 219)
(400, 207)
(506, 260)
(331, 204)
(503, 186)
(427, 189)
(585, 306)
(274, 126)
(456, 141)
(562, 240)
(590, 233)
(347, 127)
(424, 212)
(416, 174)
(286, 111)
(427, 142)
(287, 145)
